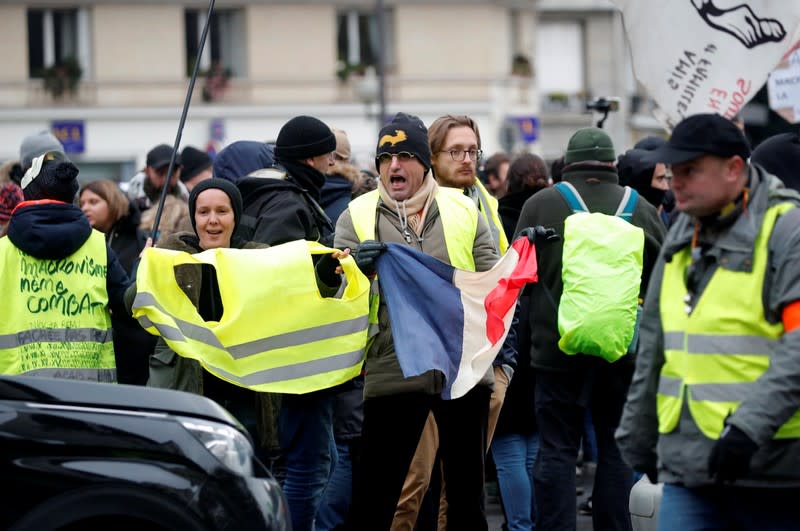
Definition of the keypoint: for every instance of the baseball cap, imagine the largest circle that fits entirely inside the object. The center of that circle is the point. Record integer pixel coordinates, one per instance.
(160, 156)
(698, 135)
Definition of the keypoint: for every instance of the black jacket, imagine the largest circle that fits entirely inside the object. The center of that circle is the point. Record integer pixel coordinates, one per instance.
(56, 230)
(282, 206)
(599, 189)
(132, 343)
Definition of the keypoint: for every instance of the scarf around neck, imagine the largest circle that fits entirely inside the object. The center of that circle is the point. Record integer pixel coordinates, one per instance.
(412, 211)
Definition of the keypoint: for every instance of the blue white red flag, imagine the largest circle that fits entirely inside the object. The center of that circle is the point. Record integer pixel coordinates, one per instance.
(451, 320)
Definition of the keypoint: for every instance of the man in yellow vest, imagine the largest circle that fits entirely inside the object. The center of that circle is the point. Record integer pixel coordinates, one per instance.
(455, 143)
(714, 407)
(410, 208)
(58, 278)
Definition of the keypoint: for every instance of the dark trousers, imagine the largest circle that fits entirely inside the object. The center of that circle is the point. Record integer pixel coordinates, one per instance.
(561, 402)
(391, 431)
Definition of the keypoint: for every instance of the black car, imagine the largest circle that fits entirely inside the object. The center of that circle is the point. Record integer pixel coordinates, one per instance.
(79, 455)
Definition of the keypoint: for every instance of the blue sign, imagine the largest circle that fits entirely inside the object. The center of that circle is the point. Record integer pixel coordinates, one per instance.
(528, 127)
(71, 134)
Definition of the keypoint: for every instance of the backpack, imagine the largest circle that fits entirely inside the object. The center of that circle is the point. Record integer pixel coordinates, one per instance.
(601, 271)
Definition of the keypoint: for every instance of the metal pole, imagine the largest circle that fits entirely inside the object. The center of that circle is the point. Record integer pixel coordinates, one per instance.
(381, 19)
(176, 145)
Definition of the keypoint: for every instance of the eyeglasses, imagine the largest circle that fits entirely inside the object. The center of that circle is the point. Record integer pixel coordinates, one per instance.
(403, 156)
(458, 155)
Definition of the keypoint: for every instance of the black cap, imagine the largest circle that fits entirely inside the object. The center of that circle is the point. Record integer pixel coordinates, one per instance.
(160, 156)
(304, 137)
(405, 132)
(194, 161)
(702, 134)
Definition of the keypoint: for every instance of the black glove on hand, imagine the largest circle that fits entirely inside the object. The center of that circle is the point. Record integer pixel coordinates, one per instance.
(367, 252)
(731, 455)
(539, 234)
(326, 270)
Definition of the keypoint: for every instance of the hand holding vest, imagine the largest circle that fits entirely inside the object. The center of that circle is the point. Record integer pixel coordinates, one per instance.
(277, 333)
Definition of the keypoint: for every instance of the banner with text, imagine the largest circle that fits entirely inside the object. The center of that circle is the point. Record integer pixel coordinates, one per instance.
(698, 56)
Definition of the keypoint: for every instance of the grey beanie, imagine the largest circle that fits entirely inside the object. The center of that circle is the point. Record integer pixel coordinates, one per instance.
(37, 144)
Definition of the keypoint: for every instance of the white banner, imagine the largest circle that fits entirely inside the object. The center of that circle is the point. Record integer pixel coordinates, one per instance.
(699, 56)
(783, 88)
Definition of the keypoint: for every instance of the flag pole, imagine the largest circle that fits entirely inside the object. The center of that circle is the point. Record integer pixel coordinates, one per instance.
(176, 145)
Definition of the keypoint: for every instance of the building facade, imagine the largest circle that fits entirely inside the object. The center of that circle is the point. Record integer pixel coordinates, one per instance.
(111, 76)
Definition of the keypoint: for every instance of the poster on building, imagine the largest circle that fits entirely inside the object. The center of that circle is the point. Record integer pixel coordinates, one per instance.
(699, 56)
(783, 87)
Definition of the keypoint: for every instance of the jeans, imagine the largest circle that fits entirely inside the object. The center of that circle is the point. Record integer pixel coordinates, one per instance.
(339, 493)
(734, 508)
(305, 426)
(514, 456)
(390, 435)
(561, 401)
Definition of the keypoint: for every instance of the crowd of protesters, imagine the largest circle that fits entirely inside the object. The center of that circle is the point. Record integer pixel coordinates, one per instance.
(707, 403)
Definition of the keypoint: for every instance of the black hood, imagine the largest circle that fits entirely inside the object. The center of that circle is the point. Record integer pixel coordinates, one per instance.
(49, 231)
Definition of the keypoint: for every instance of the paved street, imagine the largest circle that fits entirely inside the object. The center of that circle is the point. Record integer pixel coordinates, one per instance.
(495, 514)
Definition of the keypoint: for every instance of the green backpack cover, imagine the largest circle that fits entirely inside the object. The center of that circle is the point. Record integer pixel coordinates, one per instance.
(601, 271)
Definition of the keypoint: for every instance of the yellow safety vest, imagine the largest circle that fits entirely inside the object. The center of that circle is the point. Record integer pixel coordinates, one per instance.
(715, 355)
(459, 222)
(277, 334)
(489, 210)
(56, 321)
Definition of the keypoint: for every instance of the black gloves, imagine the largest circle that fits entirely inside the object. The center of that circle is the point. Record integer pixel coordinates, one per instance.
(366, 253)
(730, 457)
(539, 234)
(326, 270)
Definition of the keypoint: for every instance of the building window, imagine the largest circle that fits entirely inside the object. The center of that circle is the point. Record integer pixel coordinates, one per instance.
(560, 69)
(225, 44)
(57, 37)
(358, 40)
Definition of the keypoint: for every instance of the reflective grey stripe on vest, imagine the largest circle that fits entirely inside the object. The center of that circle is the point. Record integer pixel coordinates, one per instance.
(721, 392)
(298, 370)
(94, 375)
(718, 344)
(300, 337)
(669, 386)
(55, 335)
(187, 330)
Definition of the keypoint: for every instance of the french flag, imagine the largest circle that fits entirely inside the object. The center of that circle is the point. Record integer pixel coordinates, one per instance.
(451, 320)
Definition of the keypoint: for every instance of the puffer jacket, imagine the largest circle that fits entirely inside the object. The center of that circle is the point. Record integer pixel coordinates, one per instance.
(682, 455)
(383, 373)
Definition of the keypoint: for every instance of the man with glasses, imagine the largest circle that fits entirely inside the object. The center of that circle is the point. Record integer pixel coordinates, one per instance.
(455, 144)
(410, 208)
(713, 410)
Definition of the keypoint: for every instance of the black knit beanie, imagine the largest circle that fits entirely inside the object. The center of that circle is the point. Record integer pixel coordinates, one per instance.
(53, 179)
(226, 186)
(407, 133)
(304, 137)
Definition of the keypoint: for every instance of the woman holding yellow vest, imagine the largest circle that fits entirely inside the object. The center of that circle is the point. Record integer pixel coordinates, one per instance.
(215, 207)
